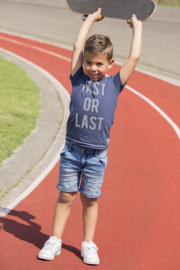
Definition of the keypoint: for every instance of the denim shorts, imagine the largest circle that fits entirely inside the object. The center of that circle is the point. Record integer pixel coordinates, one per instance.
(82, 169)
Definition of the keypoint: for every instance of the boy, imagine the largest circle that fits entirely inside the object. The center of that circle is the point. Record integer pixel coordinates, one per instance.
(93, 102)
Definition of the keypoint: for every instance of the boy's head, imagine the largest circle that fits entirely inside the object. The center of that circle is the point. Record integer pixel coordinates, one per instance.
(98, 57)
(99, 44)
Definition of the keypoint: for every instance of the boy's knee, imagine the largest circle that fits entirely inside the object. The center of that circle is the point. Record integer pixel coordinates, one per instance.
(67, 197)
(88, 201)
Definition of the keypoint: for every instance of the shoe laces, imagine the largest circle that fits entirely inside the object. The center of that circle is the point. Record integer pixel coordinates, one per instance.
(49, 245)
(90, 249)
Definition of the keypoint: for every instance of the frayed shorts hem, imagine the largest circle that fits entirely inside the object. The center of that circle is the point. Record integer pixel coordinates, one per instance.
(66, 189)
(72, 190)
(89, 195)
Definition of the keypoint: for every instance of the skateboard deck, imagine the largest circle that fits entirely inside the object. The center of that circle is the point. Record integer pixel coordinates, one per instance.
(118, 9)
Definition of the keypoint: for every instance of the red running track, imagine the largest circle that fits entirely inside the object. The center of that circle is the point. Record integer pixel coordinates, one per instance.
(139, 211)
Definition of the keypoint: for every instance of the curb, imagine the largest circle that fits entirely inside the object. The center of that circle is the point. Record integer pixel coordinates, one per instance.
(51, 157)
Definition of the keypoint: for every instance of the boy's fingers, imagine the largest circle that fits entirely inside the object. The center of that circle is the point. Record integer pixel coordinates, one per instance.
(130, 23)
(99, 10)
(102, 17)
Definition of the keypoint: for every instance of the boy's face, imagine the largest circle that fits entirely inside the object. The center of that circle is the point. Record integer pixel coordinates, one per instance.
(96, 66)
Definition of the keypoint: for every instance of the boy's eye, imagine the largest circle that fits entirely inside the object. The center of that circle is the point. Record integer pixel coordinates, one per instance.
(100, 64)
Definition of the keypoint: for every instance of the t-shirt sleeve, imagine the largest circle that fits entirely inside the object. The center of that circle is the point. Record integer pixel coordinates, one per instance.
(118, 83)
(77, 76)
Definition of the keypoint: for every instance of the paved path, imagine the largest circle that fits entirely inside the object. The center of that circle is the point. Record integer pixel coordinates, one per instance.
(138, 225)
(39, 149)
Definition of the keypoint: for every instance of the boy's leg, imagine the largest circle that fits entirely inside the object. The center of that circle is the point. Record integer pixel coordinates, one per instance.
(62, 211)
(92, 178)
(90, 214)
(52, 246)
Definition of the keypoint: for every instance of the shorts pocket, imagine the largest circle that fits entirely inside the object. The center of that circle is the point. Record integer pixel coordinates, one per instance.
(103, 162)
(63, 152)
(102, 159)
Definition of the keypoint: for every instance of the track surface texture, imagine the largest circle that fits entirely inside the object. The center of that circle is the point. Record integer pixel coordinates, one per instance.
(139, 212)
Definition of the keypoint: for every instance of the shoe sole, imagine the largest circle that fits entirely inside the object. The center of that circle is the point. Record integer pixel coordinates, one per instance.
(95, 262)
(91, 262)
(48, 258)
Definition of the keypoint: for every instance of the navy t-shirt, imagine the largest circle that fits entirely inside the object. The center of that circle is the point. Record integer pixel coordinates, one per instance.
(92, 109)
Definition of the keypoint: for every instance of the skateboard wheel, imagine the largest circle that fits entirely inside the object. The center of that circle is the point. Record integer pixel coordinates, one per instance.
(84, 17)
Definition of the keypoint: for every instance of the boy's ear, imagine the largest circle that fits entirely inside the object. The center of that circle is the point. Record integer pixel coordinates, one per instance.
(111, 62)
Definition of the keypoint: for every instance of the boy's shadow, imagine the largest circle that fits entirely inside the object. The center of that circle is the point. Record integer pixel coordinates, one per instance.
(30, 233)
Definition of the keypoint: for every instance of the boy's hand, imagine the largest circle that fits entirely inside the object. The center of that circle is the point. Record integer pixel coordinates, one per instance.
(134, 22)
(96, 16)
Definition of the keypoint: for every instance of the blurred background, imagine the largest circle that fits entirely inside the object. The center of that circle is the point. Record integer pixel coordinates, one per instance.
(52, 21)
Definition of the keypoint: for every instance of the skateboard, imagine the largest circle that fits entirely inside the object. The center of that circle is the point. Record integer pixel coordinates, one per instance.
(117, 9)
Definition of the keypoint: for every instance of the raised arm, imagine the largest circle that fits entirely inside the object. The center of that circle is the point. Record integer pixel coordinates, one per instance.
(77, 56)
(135, 51)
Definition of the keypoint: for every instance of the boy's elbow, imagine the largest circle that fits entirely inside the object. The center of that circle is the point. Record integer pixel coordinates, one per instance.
(135, 53)
(135, 58)
(75, 47)
(78, 46)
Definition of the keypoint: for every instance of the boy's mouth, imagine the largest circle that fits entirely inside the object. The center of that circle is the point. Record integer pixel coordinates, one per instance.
(93, 75)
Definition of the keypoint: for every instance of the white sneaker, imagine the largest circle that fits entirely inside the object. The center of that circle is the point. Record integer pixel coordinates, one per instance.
(89, 253)
(52, 247)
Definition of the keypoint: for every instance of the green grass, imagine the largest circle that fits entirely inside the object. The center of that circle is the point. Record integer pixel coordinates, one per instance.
(172, 3)
(19, 107)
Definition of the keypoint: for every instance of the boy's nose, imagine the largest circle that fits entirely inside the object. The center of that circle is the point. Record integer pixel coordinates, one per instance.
(93, 67)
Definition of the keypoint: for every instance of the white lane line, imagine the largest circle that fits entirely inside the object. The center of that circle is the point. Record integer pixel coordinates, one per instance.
(15, 41)
(161, 112)
(51, 53)
(36, 48)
